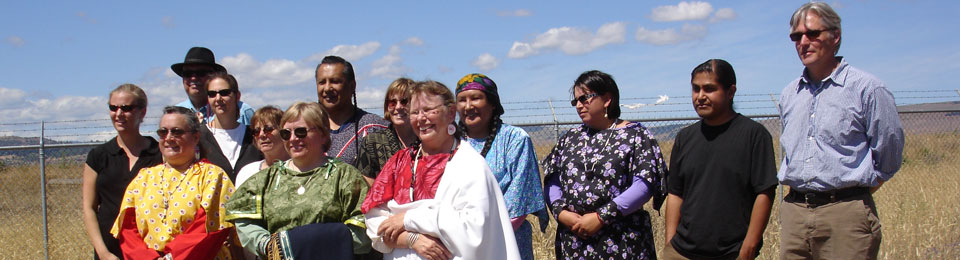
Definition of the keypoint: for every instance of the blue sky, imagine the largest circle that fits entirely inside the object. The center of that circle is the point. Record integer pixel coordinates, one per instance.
(58, 60)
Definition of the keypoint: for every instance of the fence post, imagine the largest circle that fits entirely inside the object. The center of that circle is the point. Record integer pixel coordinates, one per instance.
(556, 123)
(43, 195)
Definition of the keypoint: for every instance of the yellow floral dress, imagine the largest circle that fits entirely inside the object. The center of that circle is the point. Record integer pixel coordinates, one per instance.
(167, 201)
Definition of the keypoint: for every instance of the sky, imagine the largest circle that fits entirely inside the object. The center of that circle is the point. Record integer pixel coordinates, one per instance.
(60, 59)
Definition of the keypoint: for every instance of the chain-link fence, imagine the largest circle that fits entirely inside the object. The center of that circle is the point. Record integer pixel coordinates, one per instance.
(916, 208)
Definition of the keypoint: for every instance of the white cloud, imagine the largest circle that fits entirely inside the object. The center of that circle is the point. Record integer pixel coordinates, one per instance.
(390, 65)
(723, 14)
(572, 41)
(671, 36)
(348, 52)
(682, 12)
(168, 22)
(516, 13)
(371, 98)
(486, 62)
(11, 98)
(86, 18)
(275, 72)
(415, 41)
(16, 41)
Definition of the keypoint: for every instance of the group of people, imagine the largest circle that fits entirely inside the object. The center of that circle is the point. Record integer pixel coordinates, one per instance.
(441, 176)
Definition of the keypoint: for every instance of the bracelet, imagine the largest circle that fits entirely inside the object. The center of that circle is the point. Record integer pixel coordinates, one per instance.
(412, 238)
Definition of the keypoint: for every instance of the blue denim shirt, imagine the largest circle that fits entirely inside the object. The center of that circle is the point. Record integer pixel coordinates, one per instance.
(246, 112)
(841, 132)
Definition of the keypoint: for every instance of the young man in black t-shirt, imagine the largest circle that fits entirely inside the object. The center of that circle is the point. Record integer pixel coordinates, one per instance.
(722, 175)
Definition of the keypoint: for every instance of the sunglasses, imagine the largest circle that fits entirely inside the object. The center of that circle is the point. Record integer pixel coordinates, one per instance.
(223, 92)
(196, 73)
(266, 129)
(300, 132)
(584, 99)
(124, 108)
(176, 132)
(394, 102)
(811, 34)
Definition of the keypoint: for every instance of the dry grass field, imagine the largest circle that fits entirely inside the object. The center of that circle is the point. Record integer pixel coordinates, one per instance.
(918, 208)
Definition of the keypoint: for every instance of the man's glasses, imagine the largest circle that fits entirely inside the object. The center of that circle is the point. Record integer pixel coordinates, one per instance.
(196, 73)
(583, 99)
(426, 112)
(811, 34)
(124, 108)
(223, 92)
(266, 129)
(176, 132)
(393, 102)
(300, 132)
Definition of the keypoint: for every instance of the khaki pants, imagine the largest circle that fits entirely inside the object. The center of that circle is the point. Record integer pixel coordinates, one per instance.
(848, 229)
(670, 253)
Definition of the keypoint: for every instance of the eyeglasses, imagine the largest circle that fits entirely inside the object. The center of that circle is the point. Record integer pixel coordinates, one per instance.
(176, 132)
(223, 92)
(394, 102)
(300, 132)
(583, 99)
(196, 73)
(426, 112)
(809, 33)
(266, 129)
(124, 108)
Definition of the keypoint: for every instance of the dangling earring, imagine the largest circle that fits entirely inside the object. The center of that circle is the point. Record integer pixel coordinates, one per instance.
(451, 129)
(605, 113)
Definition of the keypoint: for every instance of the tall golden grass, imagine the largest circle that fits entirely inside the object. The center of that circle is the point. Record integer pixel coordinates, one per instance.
(919, 208)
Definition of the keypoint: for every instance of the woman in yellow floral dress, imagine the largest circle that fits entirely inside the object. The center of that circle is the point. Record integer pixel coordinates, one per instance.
(174, 210)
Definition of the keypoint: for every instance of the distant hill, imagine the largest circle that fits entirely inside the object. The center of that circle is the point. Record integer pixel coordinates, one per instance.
(32, 156)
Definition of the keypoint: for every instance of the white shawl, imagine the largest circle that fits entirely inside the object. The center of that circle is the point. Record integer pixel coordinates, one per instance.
(468, 214)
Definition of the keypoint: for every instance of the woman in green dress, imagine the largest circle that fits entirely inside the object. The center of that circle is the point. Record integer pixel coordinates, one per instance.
(286, 210)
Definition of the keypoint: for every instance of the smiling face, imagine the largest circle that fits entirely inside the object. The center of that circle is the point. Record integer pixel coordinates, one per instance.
(474, 109)
(177, 150)
(593, 111)
(398, 108)
(307, 149)
(124, 121)
(193, 77)
(430, 118)
(712, 102)
(817, 51)
(223, 106)
(334, 90)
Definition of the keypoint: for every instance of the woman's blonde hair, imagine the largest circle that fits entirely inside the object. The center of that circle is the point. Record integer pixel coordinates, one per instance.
(311, 113)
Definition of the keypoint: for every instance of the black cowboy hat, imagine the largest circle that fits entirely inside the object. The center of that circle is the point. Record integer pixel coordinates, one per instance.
(197, 55)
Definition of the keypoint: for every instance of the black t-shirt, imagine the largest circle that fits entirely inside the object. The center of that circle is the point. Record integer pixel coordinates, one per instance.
(113, 174)
(718, 171)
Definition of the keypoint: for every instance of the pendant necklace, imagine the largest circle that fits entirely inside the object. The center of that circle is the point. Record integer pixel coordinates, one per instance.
(169, 194)
(303, 189)
(593, 167)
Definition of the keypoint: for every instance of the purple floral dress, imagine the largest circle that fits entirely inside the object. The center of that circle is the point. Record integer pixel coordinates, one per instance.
(592, 168)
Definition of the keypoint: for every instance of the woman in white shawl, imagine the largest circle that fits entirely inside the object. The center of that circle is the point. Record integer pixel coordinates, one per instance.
(437, 199)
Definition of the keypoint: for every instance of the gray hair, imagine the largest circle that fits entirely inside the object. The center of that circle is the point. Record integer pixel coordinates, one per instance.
(828, 17)
(193, 122)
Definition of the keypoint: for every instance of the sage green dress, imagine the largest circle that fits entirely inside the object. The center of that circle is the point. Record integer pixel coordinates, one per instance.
(273, 201)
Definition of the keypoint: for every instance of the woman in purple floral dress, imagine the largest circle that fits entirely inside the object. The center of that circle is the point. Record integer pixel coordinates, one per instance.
(600, 174)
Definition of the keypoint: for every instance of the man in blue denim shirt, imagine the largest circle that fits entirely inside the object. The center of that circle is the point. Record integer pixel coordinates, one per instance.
(842, 139)
(196, 66)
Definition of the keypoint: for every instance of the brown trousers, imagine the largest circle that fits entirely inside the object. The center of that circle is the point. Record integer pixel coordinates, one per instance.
(848, 229)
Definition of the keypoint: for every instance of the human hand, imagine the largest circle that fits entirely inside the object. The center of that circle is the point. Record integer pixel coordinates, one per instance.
(108, 256)
(391, 242)
(392, 227)
(748, 250)
(431, 248)
(588, 225)
(568, 219)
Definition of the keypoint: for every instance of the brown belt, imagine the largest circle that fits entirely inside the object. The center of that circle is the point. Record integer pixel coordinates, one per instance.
(818, 198)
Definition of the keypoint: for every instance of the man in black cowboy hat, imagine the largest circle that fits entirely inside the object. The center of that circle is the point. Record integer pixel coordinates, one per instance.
(194, 69)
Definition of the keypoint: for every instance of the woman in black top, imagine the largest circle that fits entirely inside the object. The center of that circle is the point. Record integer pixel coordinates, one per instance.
(228, 143)
(111, 165)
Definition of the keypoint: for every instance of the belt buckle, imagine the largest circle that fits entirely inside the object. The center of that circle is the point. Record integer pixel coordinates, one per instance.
(807, 197)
